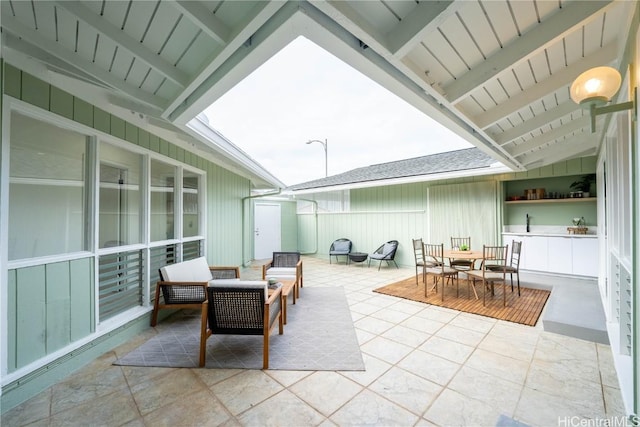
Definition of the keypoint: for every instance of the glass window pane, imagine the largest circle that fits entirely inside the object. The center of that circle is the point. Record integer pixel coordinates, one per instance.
(47, 189)
(162, 197)
(120, 197)
(190, 209)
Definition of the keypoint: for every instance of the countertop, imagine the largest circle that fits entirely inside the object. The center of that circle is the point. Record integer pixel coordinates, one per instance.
(543, 234)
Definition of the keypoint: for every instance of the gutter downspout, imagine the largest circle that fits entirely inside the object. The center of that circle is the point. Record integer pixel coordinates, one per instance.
(315, 212)
(244, 199)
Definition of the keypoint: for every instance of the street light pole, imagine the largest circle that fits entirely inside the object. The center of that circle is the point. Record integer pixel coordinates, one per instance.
(326, 161)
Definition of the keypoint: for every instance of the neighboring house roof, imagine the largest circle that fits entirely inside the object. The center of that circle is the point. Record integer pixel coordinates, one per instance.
(451, 161)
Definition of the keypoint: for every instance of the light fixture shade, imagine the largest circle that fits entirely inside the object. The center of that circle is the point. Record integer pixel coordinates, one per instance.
(597, 85)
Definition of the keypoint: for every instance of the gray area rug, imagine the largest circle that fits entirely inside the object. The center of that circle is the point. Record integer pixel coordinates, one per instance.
(319, 336)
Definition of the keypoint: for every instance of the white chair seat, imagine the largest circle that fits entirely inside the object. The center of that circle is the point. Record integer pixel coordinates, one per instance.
(281, 273)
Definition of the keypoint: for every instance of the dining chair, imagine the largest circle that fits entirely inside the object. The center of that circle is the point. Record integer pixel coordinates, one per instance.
(458, 243)
(514, 264)
(418, 254)
(493, 269)
(440, 270)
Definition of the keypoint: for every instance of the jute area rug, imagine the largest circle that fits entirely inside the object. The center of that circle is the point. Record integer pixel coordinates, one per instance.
(319, 336)
(525, 309)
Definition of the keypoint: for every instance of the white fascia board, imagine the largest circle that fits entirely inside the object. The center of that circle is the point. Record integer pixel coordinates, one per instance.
(496, 168)
(213, 139)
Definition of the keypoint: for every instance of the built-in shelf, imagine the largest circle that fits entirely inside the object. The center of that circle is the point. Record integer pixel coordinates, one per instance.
(567, 200)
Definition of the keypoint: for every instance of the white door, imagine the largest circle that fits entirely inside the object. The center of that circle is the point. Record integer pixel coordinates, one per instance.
(266, 230)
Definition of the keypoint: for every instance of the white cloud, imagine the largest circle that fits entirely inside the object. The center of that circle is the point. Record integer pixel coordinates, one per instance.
(304, 93)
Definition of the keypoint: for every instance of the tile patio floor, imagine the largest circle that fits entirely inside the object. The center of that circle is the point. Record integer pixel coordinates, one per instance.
(425, 365)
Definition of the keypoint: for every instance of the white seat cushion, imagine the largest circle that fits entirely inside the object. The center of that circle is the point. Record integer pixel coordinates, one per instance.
(194, 270)
(282, 273)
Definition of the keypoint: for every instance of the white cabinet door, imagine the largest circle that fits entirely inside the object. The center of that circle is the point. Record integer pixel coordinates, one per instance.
(560, 258)
(585, 256)
(534, 253)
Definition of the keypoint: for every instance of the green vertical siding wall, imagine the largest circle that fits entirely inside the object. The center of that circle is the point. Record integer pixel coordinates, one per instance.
(225, 193)
(51, 306)
(288, 226)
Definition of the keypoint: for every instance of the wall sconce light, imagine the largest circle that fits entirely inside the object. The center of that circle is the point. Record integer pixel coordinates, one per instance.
(594, 88)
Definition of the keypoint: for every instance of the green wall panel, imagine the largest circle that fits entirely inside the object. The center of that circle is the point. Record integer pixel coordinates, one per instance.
(35, 91)
(574, 166)
(12, 81)
(164, 147)
(101, 120)
(131, 133)
(143, 138)
(289, 226)
(82, 112)
(82, 298)
(117, 127)
(31, 318)
(551, 214)
(61, 103)
(58, 301)
(154, 143)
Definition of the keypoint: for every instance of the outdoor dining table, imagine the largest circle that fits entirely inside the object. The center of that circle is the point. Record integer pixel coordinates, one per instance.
(462, 254)
(458, 254)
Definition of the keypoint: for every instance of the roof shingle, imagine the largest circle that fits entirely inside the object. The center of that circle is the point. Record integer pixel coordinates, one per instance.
(450, 161)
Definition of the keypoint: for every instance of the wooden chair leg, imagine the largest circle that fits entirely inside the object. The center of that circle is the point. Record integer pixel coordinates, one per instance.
(203, 334)
(265, 351)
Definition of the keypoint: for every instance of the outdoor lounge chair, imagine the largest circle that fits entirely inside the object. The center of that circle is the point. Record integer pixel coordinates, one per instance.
(386, 252)
(340, 247)
(285, 266)
(182, 285)
(241, 307)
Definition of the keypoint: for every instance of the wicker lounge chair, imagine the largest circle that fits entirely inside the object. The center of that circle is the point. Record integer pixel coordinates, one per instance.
(182, 285)
(238, 307)
(285, 266)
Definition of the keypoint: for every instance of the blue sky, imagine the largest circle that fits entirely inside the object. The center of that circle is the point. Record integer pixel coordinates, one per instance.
(304, 93)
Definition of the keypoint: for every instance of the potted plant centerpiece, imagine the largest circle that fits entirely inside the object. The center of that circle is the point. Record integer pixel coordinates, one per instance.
(464, 247)
(583, 185)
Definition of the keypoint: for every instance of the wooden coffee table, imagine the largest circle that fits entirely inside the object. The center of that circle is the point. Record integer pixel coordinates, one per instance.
(287, 287)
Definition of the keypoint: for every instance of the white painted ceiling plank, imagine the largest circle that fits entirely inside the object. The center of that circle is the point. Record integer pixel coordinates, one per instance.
(125, 42)
(536, 122)
(205, 20)
(561, 79)
(550, 136)
(88, 67)
(415, 27)
(517, 50)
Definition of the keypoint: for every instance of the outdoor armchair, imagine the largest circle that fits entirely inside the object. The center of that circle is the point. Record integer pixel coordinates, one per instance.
(241, 307)
(386, 252)
(183, 285)
(340, 247)
(285, 266)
